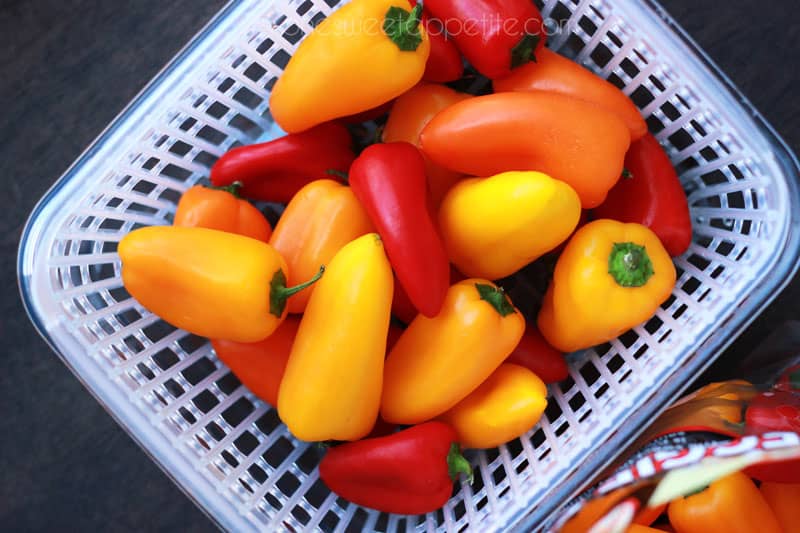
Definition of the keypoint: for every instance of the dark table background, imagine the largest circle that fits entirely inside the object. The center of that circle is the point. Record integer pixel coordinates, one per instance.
(67, 68)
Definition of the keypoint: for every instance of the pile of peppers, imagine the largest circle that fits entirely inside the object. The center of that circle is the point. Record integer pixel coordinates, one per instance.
(373, 315)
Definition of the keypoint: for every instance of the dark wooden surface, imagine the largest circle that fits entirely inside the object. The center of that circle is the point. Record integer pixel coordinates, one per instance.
(66, 69)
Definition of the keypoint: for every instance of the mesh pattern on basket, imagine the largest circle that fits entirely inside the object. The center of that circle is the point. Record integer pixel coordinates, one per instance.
(236, 441)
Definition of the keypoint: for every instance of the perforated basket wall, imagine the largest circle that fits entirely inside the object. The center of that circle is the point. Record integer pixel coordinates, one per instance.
(228, 450)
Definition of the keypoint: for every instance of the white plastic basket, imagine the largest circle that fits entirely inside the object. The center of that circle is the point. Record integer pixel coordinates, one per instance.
(225, 448)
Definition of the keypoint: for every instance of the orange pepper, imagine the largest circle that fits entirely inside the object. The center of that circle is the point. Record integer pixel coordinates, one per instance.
(563, 137)
(732, 504)
(409, 116)
(260, 365)
(221, 209)
(555, 73)
(783, 499)
(638, 528)
(321, 218)
(438, 361)
(647, 515)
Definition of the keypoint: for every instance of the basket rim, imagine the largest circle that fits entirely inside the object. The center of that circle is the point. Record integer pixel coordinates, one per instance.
(199, 490)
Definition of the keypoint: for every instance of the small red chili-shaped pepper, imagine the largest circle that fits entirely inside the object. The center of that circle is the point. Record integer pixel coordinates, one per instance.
(403, 309)
(274, 171)
(535, 354)
(389, 181)
(444, 63)
(774, 411)
(496, 36)
(410, 472)
(651, 195)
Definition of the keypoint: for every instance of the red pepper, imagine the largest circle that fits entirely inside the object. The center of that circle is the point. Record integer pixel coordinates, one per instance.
(389, 181)
(535, 354)
(774, 411)
(274, 171)
(444, 62)
(496, 36)
(652, 196)
(403, 309)
(410, 472)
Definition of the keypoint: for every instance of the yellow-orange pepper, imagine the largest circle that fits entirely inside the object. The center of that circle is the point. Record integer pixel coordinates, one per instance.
(501, 409)
(783, 499)
(321, 218)
(732, 504)
(610, 278)
(331, 389)
(221, 209)
(492, 227)
(410, 114)
(211, 283)
(363, 55)
(438, 361)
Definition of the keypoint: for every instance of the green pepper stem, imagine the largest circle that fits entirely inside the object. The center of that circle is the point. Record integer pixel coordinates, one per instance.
(402, 27)
(457, 463)
(234, 188)
(337, 173)
(279, 293)
(629, 265)
(497, 298)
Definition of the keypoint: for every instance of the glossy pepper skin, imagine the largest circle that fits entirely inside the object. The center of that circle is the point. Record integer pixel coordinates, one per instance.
(274, 171)
(350, 64)
(610, 278)
(651, 196)
(389, 181)
(732, 504)
(410, 472)
(444, 62)
(332, 386)
(211, 283)
(223, 210)
(492, 227)
(260, 365)
(319, 221)
(774, 411)
(555, 73)
(535, 354)
(783, 498)
(509, 403)
(496, 36)
(568, 139)
(409, 116)
(438, 361)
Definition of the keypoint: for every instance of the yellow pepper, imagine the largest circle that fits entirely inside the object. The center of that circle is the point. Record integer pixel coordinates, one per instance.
(493, 227)
(438, 361)
(501, 409)
(364, 55)
(211, 283)
(610, 278)
(332, 386)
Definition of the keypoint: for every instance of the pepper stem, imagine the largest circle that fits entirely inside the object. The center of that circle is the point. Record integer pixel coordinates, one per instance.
(525, 50)
(629, 265)
(337, 173)
(234, 188)
(457, 464)
(794, 379)
(402, 27)
(279, 292)
(497, 298)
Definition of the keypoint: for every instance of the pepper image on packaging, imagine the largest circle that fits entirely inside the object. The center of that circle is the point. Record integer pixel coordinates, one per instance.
(223, 210)
(364, 54)
(553, 72)
(783, 498)
(260, 365)
(732, 504)
(321, 218)
(410, 472)
(409, 116)
(774, 411)
(438, 361)
(652, 196)
(211, 283)
(566, 138)
(332, 386)
(610, 278)
(274, 171)
(509, 403)
(496, 36)
(444, 62)
(535, 354)
(492, 227)
(389, 181)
